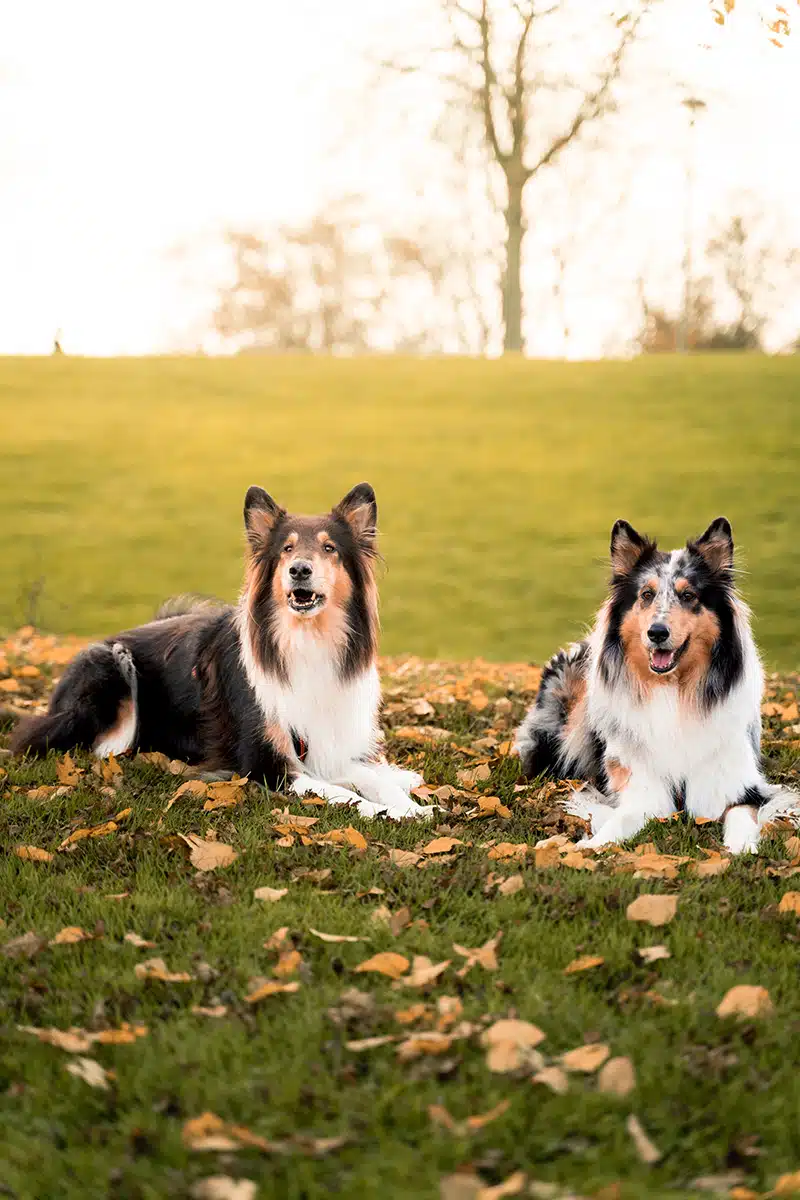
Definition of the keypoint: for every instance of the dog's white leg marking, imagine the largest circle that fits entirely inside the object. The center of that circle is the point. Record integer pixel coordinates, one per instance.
(380, 788)
(645, 796)
(121, 736)
(591, 805)
(334, 794)
(741, 833)
(398, 775)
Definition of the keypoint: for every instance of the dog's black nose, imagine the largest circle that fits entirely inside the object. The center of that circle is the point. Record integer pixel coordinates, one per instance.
(658, 634)
(300, 570)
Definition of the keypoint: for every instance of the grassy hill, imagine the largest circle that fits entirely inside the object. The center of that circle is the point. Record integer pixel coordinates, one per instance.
(121, 482)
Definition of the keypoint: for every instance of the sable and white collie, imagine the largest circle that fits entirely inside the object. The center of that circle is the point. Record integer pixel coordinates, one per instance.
(660, 707)
(283, 687)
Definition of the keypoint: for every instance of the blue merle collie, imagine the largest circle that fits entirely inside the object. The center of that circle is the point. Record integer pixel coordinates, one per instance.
(660, 708)
(283, 687)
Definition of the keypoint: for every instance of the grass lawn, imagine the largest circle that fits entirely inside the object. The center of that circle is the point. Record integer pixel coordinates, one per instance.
(121, 482)
(716, 1096)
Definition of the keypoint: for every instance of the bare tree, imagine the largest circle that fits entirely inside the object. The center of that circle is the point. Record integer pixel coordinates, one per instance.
(340, 284)
(753, 269)
(496, 58)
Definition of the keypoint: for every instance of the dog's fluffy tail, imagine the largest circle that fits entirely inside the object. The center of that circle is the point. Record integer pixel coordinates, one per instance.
(187, 602)
(93, 707)
(783, 805)
(541, 738)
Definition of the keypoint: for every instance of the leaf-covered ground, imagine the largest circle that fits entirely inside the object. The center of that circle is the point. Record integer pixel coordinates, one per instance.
(204, 982)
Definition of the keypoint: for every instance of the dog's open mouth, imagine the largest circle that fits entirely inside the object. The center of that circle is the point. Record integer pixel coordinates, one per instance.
(664, 661)
(303, 600)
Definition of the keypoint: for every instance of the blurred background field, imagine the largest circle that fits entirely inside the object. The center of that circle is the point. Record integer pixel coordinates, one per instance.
(121, 482)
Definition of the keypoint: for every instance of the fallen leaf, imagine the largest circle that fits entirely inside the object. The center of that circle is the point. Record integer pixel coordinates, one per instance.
(25, 946)
(652, 908)
(441, 845)
(470, 776)
(348, 836)
(584, 963)
(156, 968)
(423, 972)
(223, 1187)
(719, 1184)
(440, 1116)
(712, 866)
(216, 1010)
(74, 1041)
(288, 963)
(492, 806)
(399, 920)
(745, 1000)
(270, 894)
(336, 937)
(404, 858)
(504, 850)
(140, 942)
(554, 1078)
(790, 903)
(277, 939)
(78, 835)
(587, 1058)
(207, 855)
(617, 1078)
(648, 1153)
(512, 885)
(66, 771)
(484, 956)
(509, 1043)
(70, 935)
(483, 1119)
(577, 861)
(787, 1185)
(371, 1043)
(651, 954)
(270, 988)
(210, 1132)
(432, 1043)
(89, 1071)
(386, 963)
(33, 854)
(406, 1016)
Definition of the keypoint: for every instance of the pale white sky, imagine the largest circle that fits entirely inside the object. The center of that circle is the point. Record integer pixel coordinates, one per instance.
(127, 131)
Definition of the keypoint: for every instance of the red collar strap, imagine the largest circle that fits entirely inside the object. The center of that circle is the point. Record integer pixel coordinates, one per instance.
(300, 747)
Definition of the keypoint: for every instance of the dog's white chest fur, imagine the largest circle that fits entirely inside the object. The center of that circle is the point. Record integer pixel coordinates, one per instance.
(337, 719)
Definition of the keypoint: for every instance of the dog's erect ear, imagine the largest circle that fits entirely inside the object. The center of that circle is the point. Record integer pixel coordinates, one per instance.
(261, 515)
(627, 547)
(715, 546)
(360, 509)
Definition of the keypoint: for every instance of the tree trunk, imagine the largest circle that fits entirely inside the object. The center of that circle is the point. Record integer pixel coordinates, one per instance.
(512, 279)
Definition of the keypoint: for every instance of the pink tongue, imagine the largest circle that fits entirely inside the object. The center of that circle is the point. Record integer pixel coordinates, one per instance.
(662, 658)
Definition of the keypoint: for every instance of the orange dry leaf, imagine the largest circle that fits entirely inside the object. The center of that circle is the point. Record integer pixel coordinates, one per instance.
(270, 894)
(336, 937)
(66, 771)
(140, 942)
(652, 908)
(650, 954)
(423, 972)
(210, 1132)
(348, 837)
(424, 1043)
(790, 903)
(33, 854)
(404, 858)
(509, 1187)
(472, 775)
(288, 963)
(386, 963)
(156, 968)
(586, 1058)
(371, 1043)
(217, 1010)
(554, 1078)
(647, 1152)
(584, 963)
(512, 885)
(484, 956)
(96, 831)
(441, 845)
(508, 850)
(407, 1016)
(746, 1000)
(617, 1077)
(270, 988)
(208, 855)
(509, 1044)
(70, 935)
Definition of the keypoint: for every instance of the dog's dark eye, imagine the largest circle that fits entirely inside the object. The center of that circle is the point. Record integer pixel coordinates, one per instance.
(647, 595)
(688, 597)
(329, 548)
(287, 547)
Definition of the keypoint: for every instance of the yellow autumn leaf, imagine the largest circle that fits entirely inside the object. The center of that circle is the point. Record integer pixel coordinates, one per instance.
(33, 854)
(745, 1000)
(208, 855)
(585, 963)
(386, 963)
(653, 909)
(586, 1058)
(156, 968)
(271, 988)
